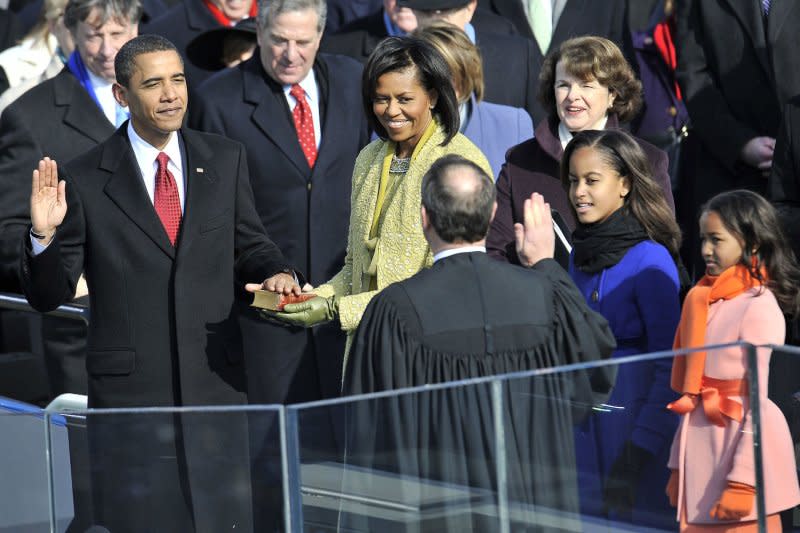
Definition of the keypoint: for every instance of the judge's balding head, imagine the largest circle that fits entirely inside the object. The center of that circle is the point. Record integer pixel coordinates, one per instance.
(458, 202)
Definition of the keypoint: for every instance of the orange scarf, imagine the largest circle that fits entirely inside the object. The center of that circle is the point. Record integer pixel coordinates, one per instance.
(687, 371)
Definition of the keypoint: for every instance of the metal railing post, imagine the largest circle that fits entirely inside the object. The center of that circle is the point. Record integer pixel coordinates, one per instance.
(290, 469)
(502, 461)
(755, 413)
(17, 302)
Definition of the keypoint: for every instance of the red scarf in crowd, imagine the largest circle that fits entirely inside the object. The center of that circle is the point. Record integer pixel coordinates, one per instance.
(222, 18)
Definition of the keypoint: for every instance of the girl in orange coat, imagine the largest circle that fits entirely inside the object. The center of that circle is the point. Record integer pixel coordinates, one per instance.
(751, 281)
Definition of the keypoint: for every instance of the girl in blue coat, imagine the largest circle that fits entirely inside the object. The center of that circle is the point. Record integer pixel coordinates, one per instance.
(624, 262)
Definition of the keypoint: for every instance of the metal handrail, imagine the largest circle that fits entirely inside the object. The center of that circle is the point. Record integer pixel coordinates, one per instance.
(17, 302)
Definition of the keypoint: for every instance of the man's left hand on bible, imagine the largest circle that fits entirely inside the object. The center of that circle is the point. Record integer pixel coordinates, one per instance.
(282, 283)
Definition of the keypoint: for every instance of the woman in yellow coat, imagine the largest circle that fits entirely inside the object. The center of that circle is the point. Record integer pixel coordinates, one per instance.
(408, 96)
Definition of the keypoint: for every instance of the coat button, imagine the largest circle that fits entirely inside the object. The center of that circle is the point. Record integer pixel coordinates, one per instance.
(595, 296)
(309, 186)
(673, 111)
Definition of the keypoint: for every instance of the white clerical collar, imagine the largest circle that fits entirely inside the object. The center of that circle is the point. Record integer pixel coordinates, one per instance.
(459, 250)
(565, 136)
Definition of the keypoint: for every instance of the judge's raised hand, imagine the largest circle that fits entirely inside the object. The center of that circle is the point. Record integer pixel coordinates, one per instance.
(535, 237)
(48, 199)
(282, 283)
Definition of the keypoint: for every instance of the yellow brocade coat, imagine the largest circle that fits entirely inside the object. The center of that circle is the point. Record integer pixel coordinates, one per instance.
(400, 248)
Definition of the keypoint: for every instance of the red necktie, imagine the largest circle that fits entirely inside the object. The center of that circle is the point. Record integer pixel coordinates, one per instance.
(166, 199)
(304, 124)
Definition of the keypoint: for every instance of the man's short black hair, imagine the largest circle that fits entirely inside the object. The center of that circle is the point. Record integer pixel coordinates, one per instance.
(458, 197)
(125, 61)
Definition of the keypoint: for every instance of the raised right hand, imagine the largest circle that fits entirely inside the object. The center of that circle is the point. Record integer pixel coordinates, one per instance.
(535, 239)
(48, 199)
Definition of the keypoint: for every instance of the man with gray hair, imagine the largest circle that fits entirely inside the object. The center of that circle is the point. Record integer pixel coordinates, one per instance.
(299, 115)
(469, 316)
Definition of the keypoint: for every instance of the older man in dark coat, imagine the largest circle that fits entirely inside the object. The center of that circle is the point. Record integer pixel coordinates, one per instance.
(304, 203)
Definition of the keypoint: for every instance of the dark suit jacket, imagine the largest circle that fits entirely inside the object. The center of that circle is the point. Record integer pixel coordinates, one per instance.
(10, 29)
(533, 166)
(359, 37)
(180, 24)
(736, 77)
(784, 183)
(606, 18)
(306, 211)
(58, 119)
(343, 12)
(511, 66)
(160, 333)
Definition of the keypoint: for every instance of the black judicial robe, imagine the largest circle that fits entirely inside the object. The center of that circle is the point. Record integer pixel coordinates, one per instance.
(469, 316)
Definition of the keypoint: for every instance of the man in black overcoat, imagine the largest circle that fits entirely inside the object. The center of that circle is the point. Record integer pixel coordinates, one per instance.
(305, 207)
(61, 118)
(737, 69)
(164, 240)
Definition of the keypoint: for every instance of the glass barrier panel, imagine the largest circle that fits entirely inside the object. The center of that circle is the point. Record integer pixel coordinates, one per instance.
(400, 462)
(783, 394)
(587, 448)
(24, 503)
(627, 443)
(174, 470)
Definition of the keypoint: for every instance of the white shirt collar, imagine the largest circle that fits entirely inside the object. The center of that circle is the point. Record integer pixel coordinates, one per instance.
(459, 250)
(565, 136)
(146, 154)
(102, 89)
(309, 85)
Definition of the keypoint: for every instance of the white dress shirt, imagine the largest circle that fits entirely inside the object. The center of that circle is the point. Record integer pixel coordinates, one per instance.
(309, 85)
(146, 154)
(102, 89)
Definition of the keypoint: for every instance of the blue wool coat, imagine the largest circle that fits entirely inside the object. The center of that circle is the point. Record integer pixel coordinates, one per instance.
(639, 296)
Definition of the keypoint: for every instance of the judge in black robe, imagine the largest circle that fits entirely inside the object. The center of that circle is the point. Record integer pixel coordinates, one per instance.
(469, 317)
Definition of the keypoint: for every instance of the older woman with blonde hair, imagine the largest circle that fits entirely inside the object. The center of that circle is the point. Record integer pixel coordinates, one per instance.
(493, 128)
(585, 84)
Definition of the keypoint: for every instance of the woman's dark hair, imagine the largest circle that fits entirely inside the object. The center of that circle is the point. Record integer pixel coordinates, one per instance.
(397, 54)
(591, 57)
(645, 200)
(754, 221)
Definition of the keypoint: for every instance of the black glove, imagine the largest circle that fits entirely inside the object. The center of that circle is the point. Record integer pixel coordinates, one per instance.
(619, 492)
